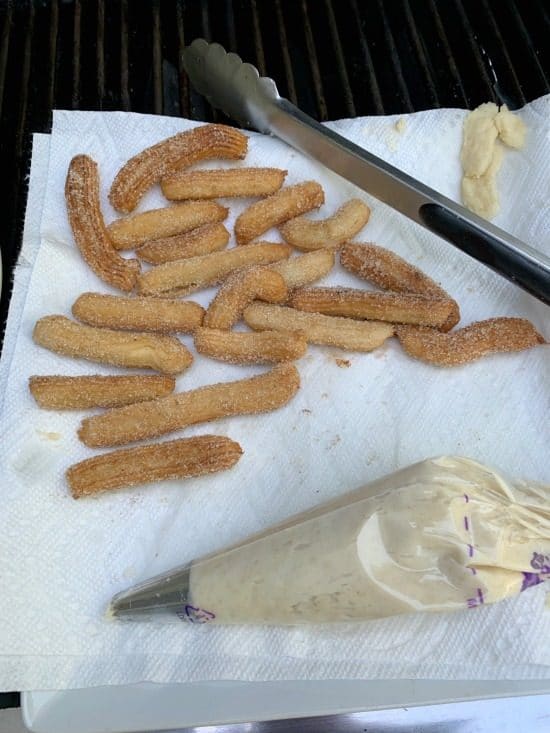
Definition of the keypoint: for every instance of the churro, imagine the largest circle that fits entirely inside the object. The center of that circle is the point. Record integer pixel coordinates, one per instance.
(161, 223)
(140, 350)
(263, 393)
(239, 290)
(278, 208)
(318, 329)
(389, 271)
(391, 307)
(138, 314)
(201, 241)
(229, 183)
(81, 393)
(185, 276)
(305, 269)
(470, 343)
(236, 347)
(180, 151)
(174, 459)
(306, 234)
(90, 234)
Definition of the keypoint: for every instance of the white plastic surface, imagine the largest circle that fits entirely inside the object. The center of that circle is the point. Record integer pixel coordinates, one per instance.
(150, 707)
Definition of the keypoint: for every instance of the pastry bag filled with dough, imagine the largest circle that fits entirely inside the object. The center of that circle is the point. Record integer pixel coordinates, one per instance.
(444, 534)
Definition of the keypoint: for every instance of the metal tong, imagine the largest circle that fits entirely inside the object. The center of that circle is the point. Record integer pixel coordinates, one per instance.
(238, 90)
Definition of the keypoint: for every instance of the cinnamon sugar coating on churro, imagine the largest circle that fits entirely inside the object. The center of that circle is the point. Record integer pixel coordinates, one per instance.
(239, 290)
(161, 315)
(309, 234)
(128, 349)
(262, 347)
(305, 269)
(90, 234)
(389, 271)
(80, 393)
(148, 167)
(470, 343)
(345, 333)
(200, 241)
(166, 222)
(287, 203)
(174, 459)
(391, 307)
(226, 183)
(186, 276)
(251, 396)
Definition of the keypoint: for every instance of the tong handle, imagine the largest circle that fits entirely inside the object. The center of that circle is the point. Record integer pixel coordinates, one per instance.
(530, 273)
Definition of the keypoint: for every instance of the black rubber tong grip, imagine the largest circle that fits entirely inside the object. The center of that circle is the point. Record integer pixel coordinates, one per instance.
(514, 266)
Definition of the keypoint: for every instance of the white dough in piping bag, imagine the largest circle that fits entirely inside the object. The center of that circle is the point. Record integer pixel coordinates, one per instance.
(446, 534)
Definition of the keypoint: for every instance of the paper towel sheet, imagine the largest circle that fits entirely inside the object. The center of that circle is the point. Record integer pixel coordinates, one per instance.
(62, 560)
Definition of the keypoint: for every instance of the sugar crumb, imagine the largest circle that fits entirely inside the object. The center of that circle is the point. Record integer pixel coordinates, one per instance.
(343, 363)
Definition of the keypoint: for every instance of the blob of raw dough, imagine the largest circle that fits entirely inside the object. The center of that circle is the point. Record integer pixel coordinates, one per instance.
(480, 133)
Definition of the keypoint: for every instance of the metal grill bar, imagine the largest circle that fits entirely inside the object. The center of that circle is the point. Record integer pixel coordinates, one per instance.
(473, 42)
(527, 44)
(442, 35)
(4, 54)
(183, 80)
(52, 47)
(157, 60)
(509, 66)
(374, 88)
(100, 53)
(124, 86)
(258, 45)
(312, 55)
(340, 62)
(286, 55)
(230, 24)
(419, 48)
(395, 59)
(76, 58)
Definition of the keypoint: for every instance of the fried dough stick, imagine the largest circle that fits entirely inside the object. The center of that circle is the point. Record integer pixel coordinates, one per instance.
(200, 241)
(218, 183)
(81, 393)
(179, 151)
(389, 271)
(307, 234)
(264, 347)
(318, 329)
(166, 222)
(90, 234)
(251, 396)
(131, 349)
(470, 343)
(174, 459)
(239, 290)
(161, 315)
(391, 307)
(278, 208)
(305, 269)
(185, 276)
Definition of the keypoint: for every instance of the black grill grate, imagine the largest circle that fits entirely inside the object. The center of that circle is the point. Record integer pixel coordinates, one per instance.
(334, 58)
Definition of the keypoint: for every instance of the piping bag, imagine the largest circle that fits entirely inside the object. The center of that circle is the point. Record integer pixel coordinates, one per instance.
(442, 535)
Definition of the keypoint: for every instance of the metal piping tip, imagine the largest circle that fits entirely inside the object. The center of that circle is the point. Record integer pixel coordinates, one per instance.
(163, 595)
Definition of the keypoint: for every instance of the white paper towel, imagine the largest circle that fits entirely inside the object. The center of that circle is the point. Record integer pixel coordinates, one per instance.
(62, 560)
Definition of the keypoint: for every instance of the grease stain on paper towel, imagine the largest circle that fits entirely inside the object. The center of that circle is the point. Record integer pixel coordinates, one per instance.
(49, 435)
